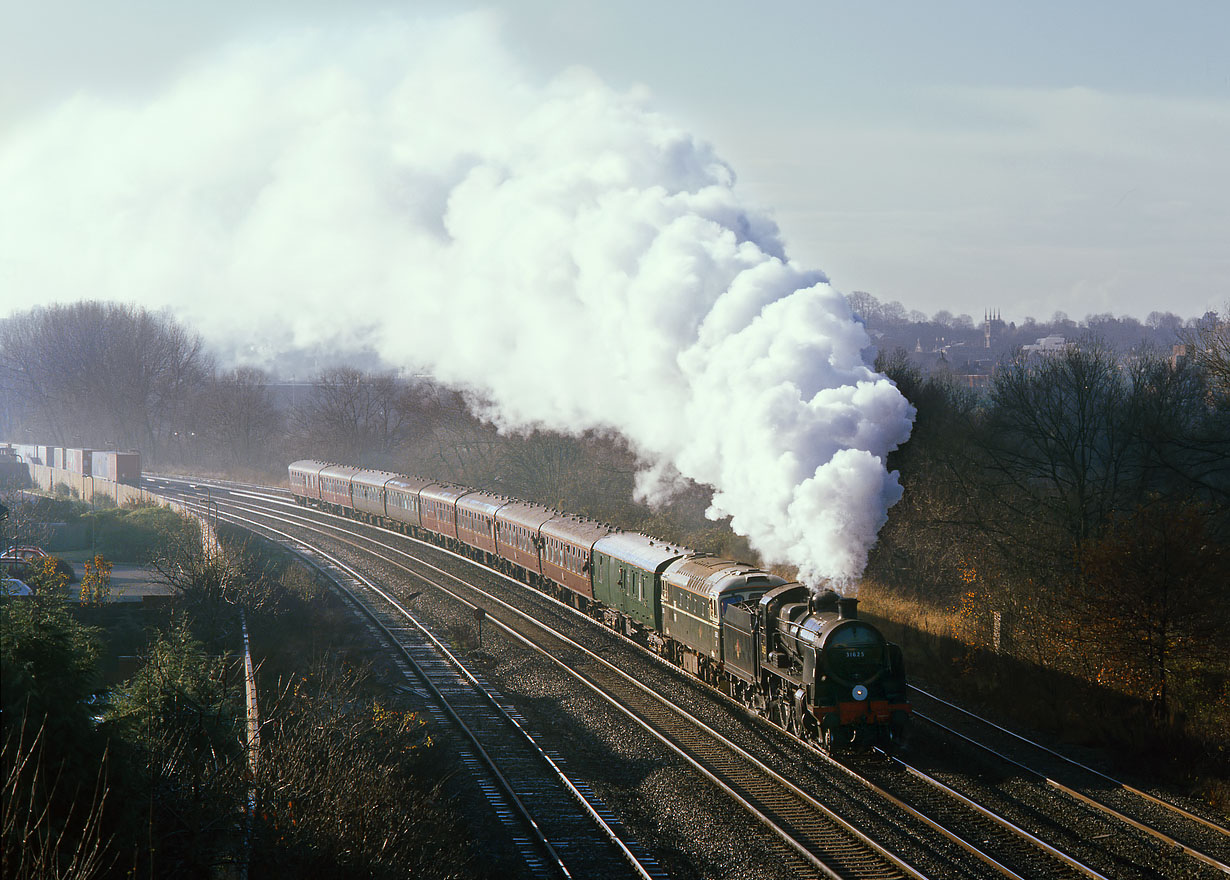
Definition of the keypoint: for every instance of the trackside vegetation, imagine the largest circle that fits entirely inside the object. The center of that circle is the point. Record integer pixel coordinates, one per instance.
(1062, 552)
(144, 772)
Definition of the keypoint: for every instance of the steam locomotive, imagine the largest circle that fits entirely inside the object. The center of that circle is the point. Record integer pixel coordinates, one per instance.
(802, 658)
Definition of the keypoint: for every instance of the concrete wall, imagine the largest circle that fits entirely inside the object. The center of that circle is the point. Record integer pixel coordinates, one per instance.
(47, 478)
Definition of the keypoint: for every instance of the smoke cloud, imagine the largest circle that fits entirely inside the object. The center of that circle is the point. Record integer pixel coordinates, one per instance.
(558, 249)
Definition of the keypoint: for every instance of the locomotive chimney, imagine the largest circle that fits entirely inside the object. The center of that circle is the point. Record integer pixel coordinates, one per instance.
(847, 608)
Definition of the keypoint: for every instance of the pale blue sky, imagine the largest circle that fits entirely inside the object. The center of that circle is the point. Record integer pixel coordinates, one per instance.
(1029, 157)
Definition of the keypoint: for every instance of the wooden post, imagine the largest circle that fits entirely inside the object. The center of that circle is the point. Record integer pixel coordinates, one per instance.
(479, 614)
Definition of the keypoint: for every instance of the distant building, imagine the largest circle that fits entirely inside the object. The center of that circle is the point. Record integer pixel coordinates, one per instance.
(992, 326)
(1048, 345)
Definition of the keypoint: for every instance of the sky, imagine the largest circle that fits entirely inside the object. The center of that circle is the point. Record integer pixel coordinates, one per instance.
(635, 217)
(1026, 157)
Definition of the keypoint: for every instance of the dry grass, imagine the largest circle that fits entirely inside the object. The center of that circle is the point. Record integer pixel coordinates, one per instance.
(948, 650)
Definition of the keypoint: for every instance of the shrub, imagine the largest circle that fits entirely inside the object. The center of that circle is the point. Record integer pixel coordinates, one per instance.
(50, 574)
(139, 534)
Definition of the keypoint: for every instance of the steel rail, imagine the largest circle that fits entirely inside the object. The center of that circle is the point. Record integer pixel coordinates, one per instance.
(490, 762)
(798, 846)
(878, 790)
(1086, 799)
(1000, 820)
(1161, 802)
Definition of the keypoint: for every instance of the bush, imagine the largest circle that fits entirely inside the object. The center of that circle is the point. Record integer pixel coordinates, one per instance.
(47, 572)
(65, 568)
(52, 751)
(141, 534)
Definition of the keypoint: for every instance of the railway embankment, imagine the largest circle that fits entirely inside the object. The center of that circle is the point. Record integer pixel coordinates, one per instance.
(1097, 722)
(139, 696)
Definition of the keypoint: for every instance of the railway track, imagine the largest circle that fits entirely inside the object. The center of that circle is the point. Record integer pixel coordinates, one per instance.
(999, 845)
(817, 841)
(1172, 825)
(986, 833)
(558, 829)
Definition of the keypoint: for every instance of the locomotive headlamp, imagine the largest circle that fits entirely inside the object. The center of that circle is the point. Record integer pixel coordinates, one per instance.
(859, 692)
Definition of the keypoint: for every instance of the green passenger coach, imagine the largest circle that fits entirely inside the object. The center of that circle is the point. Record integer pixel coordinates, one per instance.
(628, 578)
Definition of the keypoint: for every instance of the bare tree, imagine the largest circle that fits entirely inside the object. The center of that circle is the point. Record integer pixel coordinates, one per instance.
(35, 395)
(1055, 448)
(1152, 597)
(1180, 440)
(864, 305)
(589, 474)
(237, 419)
(100, 374)
(1210, 343)
(1164, 321)
(361, 417)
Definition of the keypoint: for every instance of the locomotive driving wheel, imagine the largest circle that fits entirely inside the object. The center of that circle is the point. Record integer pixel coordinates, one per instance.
(810, 730)
(792, 722)
(779, 713)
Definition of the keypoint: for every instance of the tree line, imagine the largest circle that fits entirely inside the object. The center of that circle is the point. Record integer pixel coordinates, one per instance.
(1079, 515)
(1082, 500)
(107, 375)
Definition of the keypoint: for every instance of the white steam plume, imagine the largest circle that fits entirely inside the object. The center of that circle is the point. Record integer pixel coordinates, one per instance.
(571, 256)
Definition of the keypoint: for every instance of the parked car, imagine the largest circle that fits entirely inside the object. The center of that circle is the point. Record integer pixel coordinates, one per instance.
(23, 553)
(14, 587)
(22, 560)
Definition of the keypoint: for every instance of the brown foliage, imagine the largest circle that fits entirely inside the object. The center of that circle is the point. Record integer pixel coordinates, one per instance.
(342, 787)
(1152, 599)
